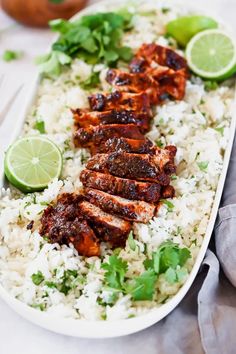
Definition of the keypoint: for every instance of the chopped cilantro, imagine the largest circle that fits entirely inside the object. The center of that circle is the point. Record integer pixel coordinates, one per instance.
(91, 82)
(173, 177)
(51, 284)
(220, 130)
(210, 85)
(37, 278)
(167, 260)
(131, 242)
(165, 10)
(143, 287)
(170, 275)
(41, 306)
(159, 143)
(115, 272)
(95, 38)
(203, 165)
(195, 229)
(170, 206)
(10, 55)
(40, 126)
(57, 1)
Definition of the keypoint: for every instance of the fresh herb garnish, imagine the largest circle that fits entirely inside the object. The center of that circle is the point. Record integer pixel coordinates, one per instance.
(40, 126)
(95, 38)
(131, 241)
(210, 85)
(159, 143)
(169, 259)
(91, 82)
(203, 165)
(143, 287)
(37, 278)
(115, 272)
(41, 306)
(165, 10)
(170, 206)
(10, 55)
(57, 1)
(220, 130)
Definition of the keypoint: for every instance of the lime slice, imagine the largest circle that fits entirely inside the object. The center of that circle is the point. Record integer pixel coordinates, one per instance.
(211, 54)
(184, 28)
(31, 163)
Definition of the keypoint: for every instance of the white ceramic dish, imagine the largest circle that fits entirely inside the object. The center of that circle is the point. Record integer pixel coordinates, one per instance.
(103, 329)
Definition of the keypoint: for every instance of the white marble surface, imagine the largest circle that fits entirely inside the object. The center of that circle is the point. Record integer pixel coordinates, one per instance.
(17, 335)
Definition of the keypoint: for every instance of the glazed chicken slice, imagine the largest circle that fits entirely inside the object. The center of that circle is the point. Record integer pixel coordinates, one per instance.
(148, 54)
(109, 227)
(167, 192)
(126, 188)
(135, 146)
(137, 82)
(134, 166)
(137, 211)
(144, 146)
(165, 66)
(85, 118)
(93, 136)
(121, 100)
(63, 224)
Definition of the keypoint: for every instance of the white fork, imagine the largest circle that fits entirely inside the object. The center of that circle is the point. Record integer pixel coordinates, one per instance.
(11, 118)
(9, 90)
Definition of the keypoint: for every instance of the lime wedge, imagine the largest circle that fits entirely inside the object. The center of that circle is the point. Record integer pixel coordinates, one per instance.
(184, 28)
(31, 163)
(211, 54)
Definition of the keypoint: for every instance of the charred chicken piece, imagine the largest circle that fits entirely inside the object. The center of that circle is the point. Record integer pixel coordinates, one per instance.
(172, 73)
(126, 209)
(85, 118)
(149, 53)
(126, 188)
(93, 136)
(168, 192)
(63, 224)
(109, 227)
(137, 82)
(134, 166)
(123, 100)
(144, 146)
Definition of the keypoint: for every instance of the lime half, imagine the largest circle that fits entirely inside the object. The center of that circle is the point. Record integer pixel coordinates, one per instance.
(184, 28)
(31, 163)
(211, 54)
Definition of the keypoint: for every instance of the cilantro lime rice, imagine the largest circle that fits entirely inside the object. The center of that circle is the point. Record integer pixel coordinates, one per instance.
(158, 256)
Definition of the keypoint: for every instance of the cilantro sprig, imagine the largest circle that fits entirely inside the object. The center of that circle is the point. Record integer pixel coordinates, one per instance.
(95, 38)
(169, 260)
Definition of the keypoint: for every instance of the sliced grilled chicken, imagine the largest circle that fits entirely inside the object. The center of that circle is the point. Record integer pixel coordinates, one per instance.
(149, 53)
(171, 75)
(168, 192)
(95, 135)
(123, 100)
(85, 118)
(126, 209)
(63, 223)
(130, 82)
(109, 227)
(134, 166)
(126, 188)
(144, 146)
